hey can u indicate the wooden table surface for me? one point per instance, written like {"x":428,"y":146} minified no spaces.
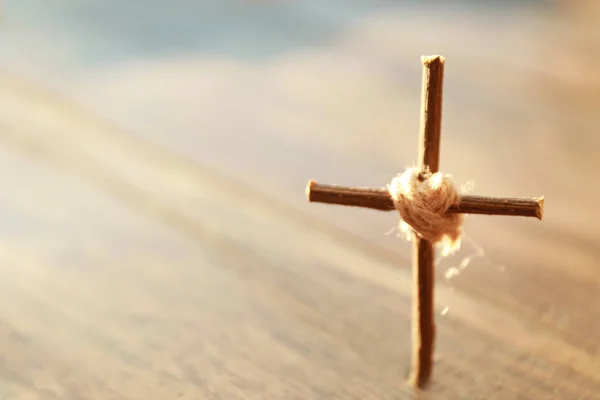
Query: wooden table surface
{"x":156,"y":242}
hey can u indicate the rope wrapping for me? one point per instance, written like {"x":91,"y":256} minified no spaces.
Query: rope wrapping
{"x":422,"y":199}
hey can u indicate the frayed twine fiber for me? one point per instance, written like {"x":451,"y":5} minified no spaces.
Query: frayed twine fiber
{"x":422,"y":198}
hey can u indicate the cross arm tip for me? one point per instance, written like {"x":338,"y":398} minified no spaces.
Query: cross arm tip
{"x":309,"y":186}
{"x":540,"y":210}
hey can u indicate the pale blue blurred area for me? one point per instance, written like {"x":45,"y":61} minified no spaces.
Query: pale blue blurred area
{"x":104,"y":32}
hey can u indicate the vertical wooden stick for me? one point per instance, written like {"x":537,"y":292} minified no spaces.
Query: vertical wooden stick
{"x":424,"y":253}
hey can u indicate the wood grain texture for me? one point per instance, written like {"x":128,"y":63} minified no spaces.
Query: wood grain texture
{"x":155,"y":242}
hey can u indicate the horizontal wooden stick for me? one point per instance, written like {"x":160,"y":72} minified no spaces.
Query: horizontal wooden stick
{"x":380,"y":199}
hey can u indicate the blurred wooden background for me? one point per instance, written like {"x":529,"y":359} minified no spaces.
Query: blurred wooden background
{"x":156,"y":242}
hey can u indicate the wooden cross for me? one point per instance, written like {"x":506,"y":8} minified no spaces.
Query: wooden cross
{"x":423,"y":261}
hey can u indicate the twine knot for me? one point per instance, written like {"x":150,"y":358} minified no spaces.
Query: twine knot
{"x":423,"y":199}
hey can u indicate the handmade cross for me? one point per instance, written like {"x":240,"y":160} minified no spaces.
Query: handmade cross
{"x":431,"y":208}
